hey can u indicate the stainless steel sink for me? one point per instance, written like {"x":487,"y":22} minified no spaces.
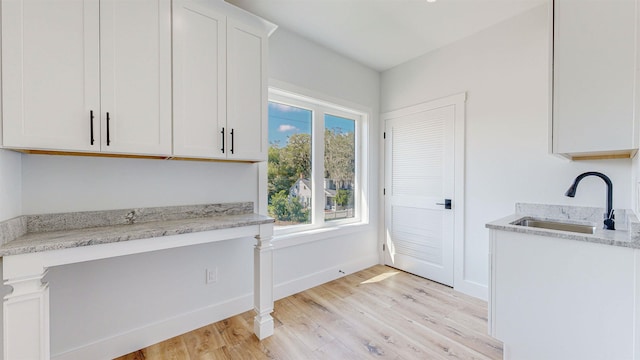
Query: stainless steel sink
{"x":555,"y":225}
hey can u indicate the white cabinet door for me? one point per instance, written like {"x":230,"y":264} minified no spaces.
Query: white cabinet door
{"x":576,"y":301}
{"x":594,"y":76}
{"x":199,"y":81}
{"x":246,"y":92}
{"x":50,"y":74}
{"x":135,"y":43}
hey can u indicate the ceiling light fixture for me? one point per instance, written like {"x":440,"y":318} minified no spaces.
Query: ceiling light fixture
{"x":431,"y":1}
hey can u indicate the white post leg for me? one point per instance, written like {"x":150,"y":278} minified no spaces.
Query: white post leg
{"x":263,"y":283}
{"x":25,"y":311}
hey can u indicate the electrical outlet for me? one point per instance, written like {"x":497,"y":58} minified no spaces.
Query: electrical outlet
{"x":211,"y":275}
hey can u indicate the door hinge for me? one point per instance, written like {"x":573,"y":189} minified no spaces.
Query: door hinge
{"x":384,"y":247}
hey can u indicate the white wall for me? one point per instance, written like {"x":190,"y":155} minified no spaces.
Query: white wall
{"x":298,"y":61}
{"x":10,"y":185}
{"x":69,"y":183}
{"x":505,"y":72}
{"x":126,"y":301}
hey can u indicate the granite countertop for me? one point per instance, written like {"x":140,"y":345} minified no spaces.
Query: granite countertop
{"x":627,"y":225}
{"x":37,"y":233}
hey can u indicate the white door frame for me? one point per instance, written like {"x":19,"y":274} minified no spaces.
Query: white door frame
{"x":458,"y":102}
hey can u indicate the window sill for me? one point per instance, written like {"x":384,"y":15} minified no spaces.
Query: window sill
{"x":308,"y":236}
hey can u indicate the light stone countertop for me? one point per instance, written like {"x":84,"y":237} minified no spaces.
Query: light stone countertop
{"x":27,"y":234}
{"x":628,"y":234}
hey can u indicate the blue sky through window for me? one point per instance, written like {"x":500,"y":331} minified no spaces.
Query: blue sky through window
{"x":286,"y":120}
{"x":340,"y":124}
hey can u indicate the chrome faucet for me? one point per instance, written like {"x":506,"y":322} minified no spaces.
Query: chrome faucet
{"x":609,"y":222}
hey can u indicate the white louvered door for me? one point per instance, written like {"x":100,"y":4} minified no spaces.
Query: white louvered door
{"x":419,"y":175}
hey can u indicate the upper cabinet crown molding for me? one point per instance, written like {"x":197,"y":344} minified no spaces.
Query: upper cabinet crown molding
{"x":595,"y":74}
{"x":87,"y":75}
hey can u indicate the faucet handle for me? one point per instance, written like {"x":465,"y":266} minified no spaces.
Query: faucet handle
{"x":609,"y":224}
{"x":610,"y":215}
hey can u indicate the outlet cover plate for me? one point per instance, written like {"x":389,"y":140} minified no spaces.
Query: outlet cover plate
{"x":211,"y":275}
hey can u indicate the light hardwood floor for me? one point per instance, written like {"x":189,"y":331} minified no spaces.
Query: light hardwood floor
{"x":379,"y":312}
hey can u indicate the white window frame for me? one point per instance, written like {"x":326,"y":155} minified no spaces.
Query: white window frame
{"x":319,"y":108}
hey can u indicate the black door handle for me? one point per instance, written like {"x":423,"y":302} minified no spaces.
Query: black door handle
{"x":231,"y":141}
{"x":446,"y":203}
{"x":91,"y":116}
{"x":108,"y":135}
{"x":222,"y":132}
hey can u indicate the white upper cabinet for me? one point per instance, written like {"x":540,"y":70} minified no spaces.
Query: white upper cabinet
{"x":594,"y":78}
{"x":199,"y":80}
{"x":247,"y":91}
{"x":67,"y":64}
{"x":135,"y":44}
{"x":51,"y":74}
{"x":220,"y":84}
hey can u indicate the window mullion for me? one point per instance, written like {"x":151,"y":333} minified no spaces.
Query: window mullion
{"x":317,"y":166}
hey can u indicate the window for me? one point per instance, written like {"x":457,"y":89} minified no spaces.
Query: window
{"x":339,"y":166}
{"x":313,"y":166}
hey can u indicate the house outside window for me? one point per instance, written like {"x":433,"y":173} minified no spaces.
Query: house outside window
{"x":313,"y":167}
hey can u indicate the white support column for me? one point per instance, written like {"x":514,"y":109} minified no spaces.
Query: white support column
{"x":263,"y":283}
{"x":25,"y":309}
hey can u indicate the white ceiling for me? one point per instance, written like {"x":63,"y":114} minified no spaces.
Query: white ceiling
{"x":384,"y":33}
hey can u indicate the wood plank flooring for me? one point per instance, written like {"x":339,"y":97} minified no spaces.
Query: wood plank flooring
{"x":379,"y":312}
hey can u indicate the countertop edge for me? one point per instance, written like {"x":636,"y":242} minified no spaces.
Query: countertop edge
{"x":66,"y":239}
{"x":606,"y":237}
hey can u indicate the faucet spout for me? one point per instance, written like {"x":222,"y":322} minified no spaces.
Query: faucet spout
{"x":609,"y":222}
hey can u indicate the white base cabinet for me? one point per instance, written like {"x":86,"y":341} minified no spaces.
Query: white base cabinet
{"x":554,"y":298}
{"x":87,"y":75}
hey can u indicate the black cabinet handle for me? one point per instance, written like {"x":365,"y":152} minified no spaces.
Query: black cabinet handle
{"x":222,"y":132}
{"x":108,"y":135}
{"x":92,"y":139}
{"x":231,"y":141}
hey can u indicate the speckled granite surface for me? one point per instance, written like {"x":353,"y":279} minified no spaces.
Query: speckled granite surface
{"x":87,"y":219}
{"x":12,"y":229}
{"x":27,"y":234}
{"x":627,"y":235}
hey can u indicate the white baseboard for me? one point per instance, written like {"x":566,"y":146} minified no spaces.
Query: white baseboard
{"x":147,"y":335}
{"x":472,"y":288}
{"x":302,"y":283}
